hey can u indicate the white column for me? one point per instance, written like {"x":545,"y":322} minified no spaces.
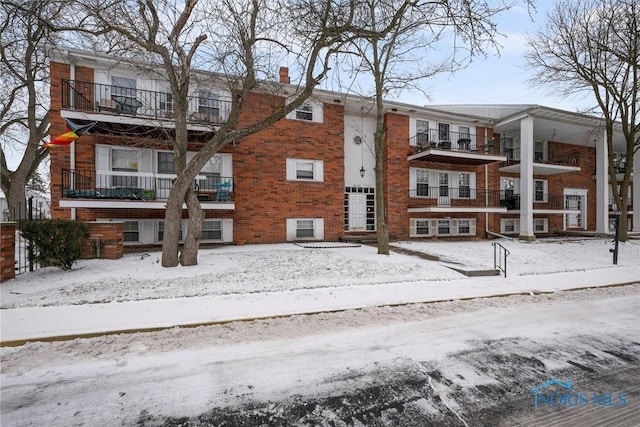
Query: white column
{"x":602,"y":185}
{"x":526,"y":179}
{"x":636,"y":191}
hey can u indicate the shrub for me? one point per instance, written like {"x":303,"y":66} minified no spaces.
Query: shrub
{"x":57,"y":242}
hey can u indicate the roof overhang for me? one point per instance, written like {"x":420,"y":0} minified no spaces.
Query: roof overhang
{"x":456,"y":157}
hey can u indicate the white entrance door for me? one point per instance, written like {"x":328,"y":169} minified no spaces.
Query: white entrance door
{"x":574,"y":220}
{"x":357,"y":212}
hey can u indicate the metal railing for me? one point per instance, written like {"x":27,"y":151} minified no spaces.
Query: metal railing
{"x":109,"y":99}
{"x":458,"y":141}
{"x":570,"y":159}
{"x":25,"y":250}
{"x":500,"y":254}
{"x":451,"y":196}
{"x":127,"y":185}
{"x":511,"y":200}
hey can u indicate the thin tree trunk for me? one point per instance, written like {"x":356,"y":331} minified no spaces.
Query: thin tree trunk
{"x":189,"y":254}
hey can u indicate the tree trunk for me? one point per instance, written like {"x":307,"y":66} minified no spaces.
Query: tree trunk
{"x":382,"y":226}
{"x":16,"y":200}
{"x":172,"y":223}
{"x":189,"y":255}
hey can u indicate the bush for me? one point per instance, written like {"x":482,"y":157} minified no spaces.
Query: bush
{"x":57,"y":242}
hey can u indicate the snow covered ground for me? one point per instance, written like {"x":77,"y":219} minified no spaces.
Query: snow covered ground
{"x":278,"y":366}
{"x":284,"y":267}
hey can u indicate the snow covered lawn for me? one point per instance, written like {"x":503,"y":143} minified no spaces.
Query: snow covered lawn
{"x":282,"y":267}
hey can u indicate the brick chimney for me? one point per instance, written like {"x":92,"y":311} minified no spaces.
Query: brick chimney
{"x":284,"y":75}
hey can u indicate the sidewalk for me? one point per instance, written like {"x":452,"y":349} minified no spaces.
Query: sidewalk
{"x":50,"y":323}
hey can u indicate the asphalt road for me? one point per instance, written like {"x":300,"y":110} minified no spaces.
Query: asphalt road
{"x":464,"y":363}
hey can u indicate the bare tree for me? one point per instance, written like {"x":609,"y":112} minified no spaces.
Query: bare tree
{"x":25,"y":31}
{"x":394,"y":39}
{"x":594,"y":46}
{"x":237,"y":39}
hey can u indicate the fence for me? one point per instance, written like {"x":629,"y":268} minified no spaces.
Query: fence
{"x":24,"y":250}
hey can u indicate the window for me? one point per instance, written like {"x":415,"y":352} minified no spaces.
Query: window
{"x":443,"y":132}
{"x":444,"y":184}
{"x":464,"y":226}
{"x":464,"y":185}
{"x":165,"y":162}
{"x":305,"y":170}
{"x":422,"y":227}
{"x":212,"y":230}
{"x":510,"y":148}
{"x":444,"y":226}
{"x":208,"y":105}
{"x":131,"y":233}
{"x":123,"y":86}
{"x":304,"y":229}
{"x":538,"y":151}
{"x":463,"y":132}
{"x":540,"y":225}
{"x":538,"y":188}
{"x":509,"y":225}
{"x":124,"y":161}
{"x":165,"y":103}
{"x":422,"y":132}
{"x":305,"y":112}
{"x":422,"y":182}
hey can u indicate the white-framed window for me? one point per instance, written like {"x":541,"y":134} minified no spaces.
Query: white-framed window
{"x":305,"y":170}
{"x":305,"y":229}
{"x":212,"y":229}
{"x":464,"y":132}
{"x":422,"y":182}
{"x":464,"y":185}
{"x":422,"y":132}
{"x":422,"y":227}
{"x":127,"y":161}
{"x":309,"y":111}
{"x":540,"y":151}
{"x":540,"y":225}
{"x":305,"y":112}
{"x":510,"y":146}
{"x":540,"y":190}
{"x":509,"y":225}
{"x":123,"y":86}
{"x":131,"y":231}
{"x":443,"y":131}
{"x":208,"y":105}
{"x":164,"y":162}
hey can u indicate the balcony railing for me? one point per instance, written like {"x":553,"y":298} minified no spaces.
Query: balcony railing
{"x":109,"y":99}
{"x":434,"y":138}
{"x":127,"y":185}
{"x":424,"y":196}
{"x":570,"y":159}
{"x":540,"y":201}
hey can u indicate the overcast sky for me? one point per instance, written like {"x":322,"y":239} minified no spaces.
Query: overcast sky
{"x":499,"y":78}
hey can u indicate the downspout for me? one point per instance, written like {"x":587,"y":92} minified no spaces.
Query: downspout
{"x":72,"y":147}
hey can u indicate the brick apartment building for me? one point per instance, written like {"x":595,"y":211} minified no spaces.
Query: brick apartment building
{"x":455,"y":171}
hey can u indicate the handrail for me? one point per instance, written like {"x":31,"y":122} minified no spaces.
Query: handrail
{"x":498,"y":264}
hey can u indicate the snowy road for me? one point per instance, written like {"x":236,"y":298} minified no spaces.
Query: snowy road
{"x":454,"y":363}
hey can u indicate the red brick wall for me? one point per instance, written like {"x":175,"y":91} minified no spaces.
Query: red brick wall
{"x":7,"y":251}
{"x":265,"y":199}
{"x":396,"y":174}
{"x":105,"y":241}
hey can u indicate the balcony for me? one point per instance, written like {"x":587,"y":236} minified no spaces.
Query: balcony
{"x":116,"y":101}
{"x":90,"y":188}
{"x":552,"y":164}
{"x":443,"y":198}
{"x":454,"y":147}
{"x":541,"y":202}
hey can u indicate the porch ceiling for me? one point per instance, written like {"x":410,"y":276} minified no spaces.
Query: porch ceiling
{"x":456,"y":157}
{"x":542,"y":169}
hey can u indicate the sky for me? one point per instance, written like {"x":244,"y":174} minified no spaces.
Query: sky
{"x":499,"y":78}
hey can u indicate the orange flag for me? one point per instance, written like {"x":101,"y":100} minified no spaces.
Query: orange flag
{"x":75,"y":132}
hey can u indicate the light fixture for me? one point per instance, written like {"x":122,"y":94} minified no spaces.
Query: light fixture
{"x":357,"y":140}
{"x":594,"y":176}
{"x":362,"y":171}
